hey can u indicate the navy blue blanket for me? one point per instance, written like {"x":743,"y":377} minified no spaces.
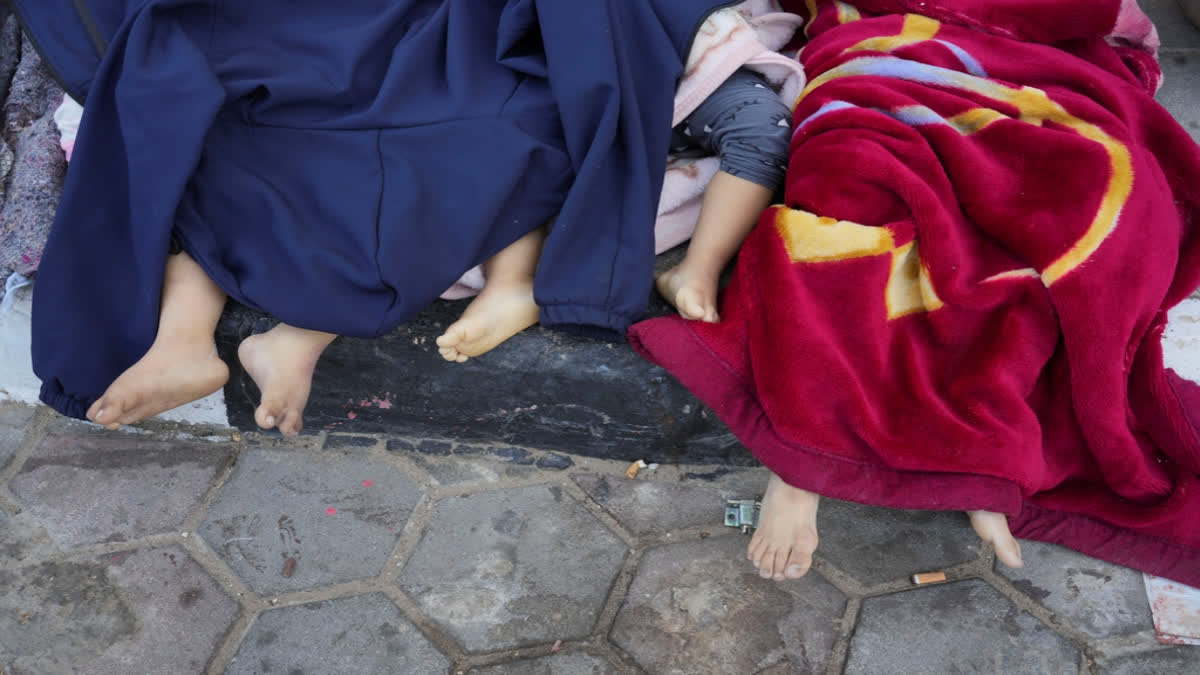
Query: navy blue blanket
{"x":338,"y":165}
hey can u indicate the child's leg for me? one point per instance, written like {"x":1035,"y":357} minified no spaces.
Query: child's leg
{"x":504,"y":307}
{"x":746,"y":124}
{"x":782,"y":547}
{"x":281,"y":363}
{"x":730,"y":209}
{"x":182,"y":365}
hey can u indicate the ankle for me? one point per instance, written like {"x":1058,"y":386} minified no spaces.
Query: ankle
{"x":509,"y":281}
{"x":699,"y":267}
{"x":190,"y":341}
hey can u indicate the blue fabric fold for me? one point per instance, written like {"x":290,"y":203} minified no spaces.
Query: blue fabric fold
{"x":339,"y":165}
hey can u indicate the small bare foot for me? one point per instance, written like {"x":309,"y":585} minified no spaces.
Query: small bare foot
{"x":281,"y":363}
{"x":173,"y":372}
{"x":782,"y":547}
{"x":502,"y":309}
{"x":692,"y":294}
{"x":993,"y":529}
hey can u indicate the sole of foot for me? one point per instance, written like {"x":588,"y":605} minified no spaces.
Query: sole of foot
{"x":171,"y":374}
{"x":693,"y":295}
{"x":499,"y":312}
{"x":281,"y":363}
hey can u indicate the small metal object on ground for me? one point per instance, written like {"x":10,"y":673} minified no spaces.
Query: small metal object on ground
{"x":742,"y":513}
{"x":928,"y":578}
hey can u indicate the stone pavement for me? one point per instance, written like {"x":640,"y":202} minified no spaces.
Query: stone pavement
{"x":172,"y":550}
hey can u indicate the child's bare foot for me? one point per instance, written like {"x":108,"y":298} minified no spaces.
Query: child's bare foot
{"x":782,"y":547}
{"x":502,"y":309}
{"x":993,"y":529}
{"x":174,"y":372}
{"x":692,"y":293}
{"x":281,"y":363}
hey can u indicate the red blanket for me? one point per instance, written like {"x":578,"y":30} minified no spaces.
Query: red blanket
{"x":961,"y":304}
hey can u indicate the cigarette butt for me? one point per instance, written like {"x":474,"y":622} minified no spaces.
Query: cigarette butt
{"x":633,"y":469}
{"x":928,"y":578}
{"x":289,"y":567}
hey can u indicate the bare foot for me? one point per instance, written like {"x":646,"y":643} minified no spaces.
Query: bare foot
{"x":281,"y":363}
{"x":502,"y":309}
{"x":782,"y":547}
{"x":693,"y":294}
{"x":993,"y":529}
{"x":174,"y":372}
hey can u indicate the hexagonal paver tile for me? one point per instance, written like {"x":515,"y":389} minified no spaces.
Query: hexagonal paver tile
{"x":1099,"y":598}
{"x":363,"y":634}
{"x":13,"y":420}
{"x":514,"y":567}
{"x":876,"y":545}
{"x":575,"y":663}
{"x":647,"y":507}
{"x":149,"y":611}
{"x":337,"y":516}
{"x":93,"y":488}
{"x":1158,"y":662}
{"x":700,"y":607}
{"x":963,"y":627}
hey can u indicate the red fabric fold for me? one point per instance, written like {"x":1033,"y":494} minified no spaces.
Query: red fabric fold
{"x":960,"y":305}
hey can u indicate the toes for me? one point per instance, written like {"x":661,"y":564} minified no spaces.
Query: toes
{"x":691,"y":308}
{"x":781,"y":558}
{"x":453,"y":336}
{"x":264,"y":417}
{"x":291,"y":424}
{"x":111,"y":412}
{"x":992,"y":528}
{"x":797,"y":565}
{"x":689,"y":304}
{"x":764,"y":564}
{"x":752,"y":550}
{"x":1009,"y":552}
{"x":96,"y":410}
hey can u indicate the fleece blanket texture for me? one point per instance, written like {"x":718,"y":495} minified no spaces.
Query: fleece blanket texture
{"x":960,"y":305}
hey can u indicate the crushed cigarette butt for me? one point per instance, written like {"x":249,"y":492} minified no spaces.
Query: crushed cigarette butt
{"x":633,"y":469}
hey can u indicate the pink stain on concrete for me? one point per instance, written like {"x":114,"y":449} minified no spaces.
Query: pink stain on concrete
{"x":368,"y":483}
{"x":331,"y":511}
